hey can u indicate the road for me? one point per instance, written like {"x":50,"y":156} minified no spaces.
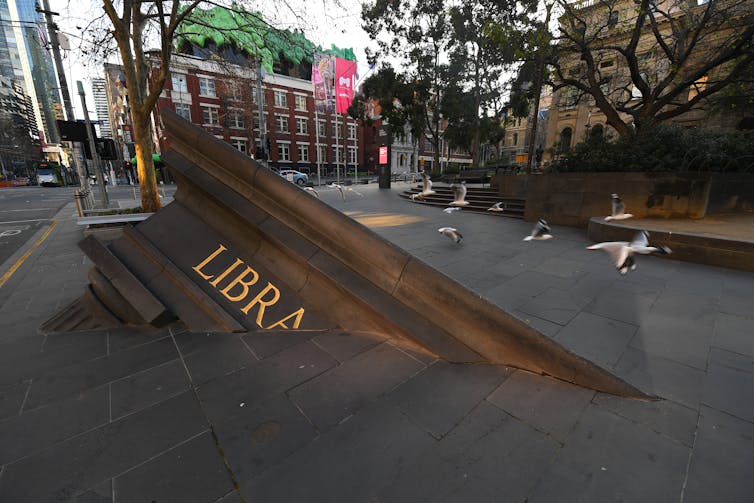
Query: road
{"x":25,"y":210}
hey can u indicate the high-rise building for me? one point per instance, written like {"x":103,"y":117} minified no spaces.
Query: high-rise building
{"x":99,"y":91}
{"x":25,"y":59}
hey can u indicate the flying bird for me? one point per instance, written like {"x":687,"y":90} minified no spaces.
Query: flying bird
{"x":497,"y":207}
{"x":619,"y":209}
{"x":343,"y":190}
{"x":426,"y":188}
{"x":451,"y":210}
{"x":540,"y":232}
{"x":459,"y":192}
{"x":622,"y":253}
{"x":451,"y":234}
{"x":311,"y":191}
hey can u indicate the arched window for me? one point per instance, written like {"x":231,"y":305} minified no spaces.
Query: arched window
{"x":515,"y":139}
{"x":565,"y":139}
{"x":597,"y":132}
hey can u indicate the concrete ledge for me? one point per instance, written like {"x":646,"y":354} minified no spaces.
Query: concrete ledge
{"x":701,"y":249}
{"x":113,"y":219}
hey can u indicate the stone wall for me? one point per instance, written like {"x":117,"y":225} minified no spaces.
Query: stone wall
{"x":731,"y":192}
{"x":573,"y":198}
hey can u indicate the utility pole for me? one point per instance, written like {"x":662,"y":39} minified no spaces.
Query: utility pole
{"x":52,"y":30}
{"x":104,"y":200}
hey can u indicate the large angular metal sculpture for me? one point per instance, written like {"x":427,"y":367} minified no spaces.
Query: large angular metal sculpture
{"x":241,"y":249}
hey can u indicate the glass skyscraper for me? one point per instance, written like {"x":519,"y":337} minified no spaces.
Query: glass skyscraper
{"x":25,"y":58}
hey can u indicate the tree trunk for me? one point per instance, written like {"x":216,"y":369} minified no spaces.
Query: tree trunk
{"x":150,"y":200}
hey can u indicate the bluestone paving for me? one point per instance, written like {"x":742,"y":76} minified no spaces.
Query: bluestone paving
{"x":171,"y":415}
{"x":609,"y":458}
{"x":443,"y":394}
{"x":720,"y":468}
{"x":191,"y":471}
{"x":147,"y":387}
{"x":260,"y":437}
{"x":24,"y":434}
{"x":548,"y":405}
{"x":328,"y":399}
{"x":599,"y":339}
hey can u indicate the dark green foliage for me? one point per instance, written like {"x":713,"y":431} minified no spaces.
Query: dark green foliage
{"x":663,"y":148}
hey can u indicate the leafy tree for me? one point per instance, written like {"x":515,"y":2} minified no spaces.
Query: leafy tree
{"x":645,"y":62}
{"x":416,"y":33}
{"x":473,"y":102}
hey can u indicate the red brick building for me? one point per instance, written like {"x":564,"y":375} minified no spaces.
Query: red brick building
{"x":222,"y":98}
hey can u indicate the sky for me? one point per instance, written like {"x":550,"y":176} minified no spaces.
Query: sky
{"x":322,"y":21}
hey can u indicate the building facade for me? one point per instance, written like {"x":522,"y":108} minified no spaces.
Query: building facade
{"x":223,"y":99}
{"x":101,"y":107}
{"x":25,"y":60}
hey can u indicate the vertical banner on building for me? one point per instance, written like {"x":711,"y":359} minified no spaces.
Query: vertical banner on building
{"x":323,"y":80}
{"x":345,"y":81}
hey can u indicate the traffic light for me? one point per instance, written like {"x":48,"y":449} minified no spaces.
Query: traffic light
{"x":105,"y":149}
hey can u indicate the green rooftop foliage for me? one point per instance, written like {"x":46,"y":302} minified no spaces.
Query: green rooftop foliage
{"x":247,"y":32}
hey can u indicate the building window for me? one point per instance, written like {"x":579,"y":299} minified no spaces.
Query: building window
{"x":254,"y":97}
{"x":352,"y":155}
{"x":515,"y":139}
{"x":179,"y":83}
{"x":235,"y":119}
{"x":352,"y":131}
{"x":321,"y":128}
{"x":321,"y":153}
{"x":239,"y":145}
{"x":303,"y":153}
{"x":565,"y":139}
{"x":210,"y":115}
{"x":374,"y":135}
{"x":207,"y":87}
{"x":338,"y":154}
{"x":184,"y":110}
{"x":234,"y":90}
{"x":284,"y":152}
{"x":301,"y":103}
{"x":612,"y":18}
{"x":280,"y":99}
{"x":302,"y":126}
{"x":281,"y":121}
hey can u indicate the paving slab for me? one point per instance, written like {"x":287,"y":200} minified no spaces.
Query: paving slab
{"x":147,"y":388}
{"x":259,"y":438}
{"x":548,"y":405}
{"x":69,"y":467}
{"x":330,"y":398}
{"x":720,"y":468}
{"x":609,"y":458}
{"x":191,"y":471}
{"x":734,"y":334}
{"x":599,"y":339}
{"x":729,"y":390}
{"x":443,"y":394}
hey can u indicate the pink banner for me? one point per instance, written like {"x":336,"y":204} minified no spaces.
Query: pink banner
{"x":345,"y":80}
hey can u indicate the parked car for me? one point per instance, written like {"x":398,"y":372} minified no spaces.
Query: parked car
{"x":294,"y":176}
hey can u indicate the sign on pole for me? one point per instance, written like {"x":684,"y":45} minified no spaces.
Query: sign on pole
{"x":345,"y":80}
{"x":323,"y":80}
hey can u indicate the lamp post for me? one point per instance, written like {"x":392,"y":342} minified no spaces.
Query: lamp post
{"x":104,"y":200}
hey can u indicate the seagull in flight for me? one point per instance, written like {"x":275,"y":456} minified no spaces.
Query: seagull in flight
{"x":451,"y":210}
{"x":311,"y":191}
{"x":619,"y":209}
{"x":460,"y":195}
{"x":426,"y":188}
{"x":540,"y":232}
{"x":622,"y":253}
{"x":497,"y":207}
{"x":343,"y":190}
{"x":451,"y":234}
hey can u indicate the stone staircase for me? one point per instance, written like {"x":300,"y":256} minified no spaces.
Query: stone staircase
{"x":480,"y":199}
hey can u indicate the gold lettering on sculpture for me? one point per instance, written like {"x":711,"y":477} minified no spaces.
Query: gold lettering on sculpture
{"x":244,"y":285}
{"x":298,"y":314}
{"x":263,"y":304}
{"x":198,"y":268}
{"x":226,"y":272}
{"x":244,"y":281}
